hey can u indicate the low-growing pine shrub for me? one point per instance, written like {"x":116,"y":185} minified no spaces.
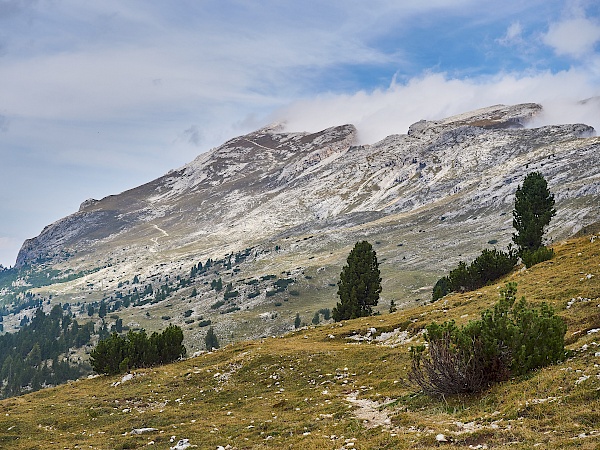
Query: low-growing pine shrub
{"x":487,"y":267}
{"x":509,"y":340}
{"x":533,"y":257}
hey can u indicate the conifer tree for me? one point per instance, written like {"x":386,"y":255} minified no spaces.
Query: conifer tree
{"x":534,"y":207}
{"x":211,"y":340}
{"x":359,"y":285}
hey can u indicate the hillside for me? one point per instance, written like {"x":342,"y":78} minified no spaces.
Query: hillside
{"x":333,"y":386}
{"x":277,"y":212}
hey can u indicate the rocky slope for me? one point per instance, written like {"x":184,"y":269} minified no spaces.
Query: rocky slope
{"x":427,"y":198}
{"x":268,"y":181}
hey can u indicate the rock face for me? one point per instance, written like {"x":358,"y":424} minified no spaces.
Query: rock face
{"x":279,"y":207}
{"x":271,"y":181}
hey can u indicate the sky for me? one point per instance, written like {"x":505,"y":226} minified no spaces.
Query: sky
{"x":99,"y":97}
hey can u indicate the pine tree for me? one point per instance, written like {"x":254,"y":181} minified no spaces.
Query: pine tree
{"x":316,"y":319}
{"x":359,"y":285}
{"x":102,"y":310}
{"x":297,"y":321}
{"x":534,"y":208}
{"x":211,"y":340}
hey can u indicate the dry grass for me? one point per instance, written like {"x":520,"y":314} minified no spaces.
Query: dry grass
{"x":316,"y":389}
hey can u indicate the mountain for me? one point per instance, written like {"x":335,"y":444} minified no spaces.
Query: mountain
{"x":280,"y":211}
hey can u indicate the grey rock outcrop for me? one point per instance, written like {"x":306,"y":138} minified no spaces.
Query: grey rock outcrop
{"x":275,"y":183}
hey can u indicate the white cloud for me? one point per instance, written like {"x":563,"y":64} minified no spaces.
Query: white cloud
{"x":575,"y":37}
{"x":514,"y":34}
{"x":380,"y":113}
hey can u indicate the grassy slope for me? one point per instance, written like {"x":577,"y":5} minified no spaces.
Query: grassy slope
{"x":297,"y":391}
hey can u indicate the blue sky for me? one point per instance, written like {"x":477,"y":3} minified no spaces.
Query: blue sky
{"x":99,"y":97}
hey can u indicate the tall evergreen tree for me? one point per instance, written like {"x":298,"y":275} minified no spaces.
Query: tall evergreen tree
{"x":359,"y":285}
{"x":211,"y":340}
{"x":102,"y":310}
{"x":534,"y":207}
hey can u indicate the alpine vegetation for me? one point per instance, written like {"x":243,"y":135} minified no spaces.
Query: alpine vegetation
{"x":359,"y":284}
{"x":118,"y":354}
{"x":534,"y":207}
{"x":510,"y":339}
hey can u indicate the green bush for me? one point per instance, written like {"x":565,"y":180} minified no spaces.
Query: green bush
{"x":533,"y":257}
{"x":217,"y":304}
{"x":118,"y":354}
{"x":509,"y":340}
{"x":441,"y":288}
{"x":487,"y":267}
{"x":326,"y":313}
{"x":230,"y":294}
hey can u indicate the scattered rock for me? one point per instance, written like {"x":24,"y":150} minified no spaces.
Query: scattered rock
{"x":142,"y":430}
{"x":182,"y":444}
{"x":441,"y":438}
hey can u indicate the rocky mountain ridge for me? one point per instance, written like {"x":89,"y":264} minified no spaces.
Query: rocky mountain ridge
{"x":294,"y":204}
{"x":268,"y":181}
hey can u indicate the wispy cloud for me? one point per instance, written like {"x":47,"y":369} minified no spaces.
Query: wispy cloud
{"x":380,"y":113}
{"x":575,"y":37}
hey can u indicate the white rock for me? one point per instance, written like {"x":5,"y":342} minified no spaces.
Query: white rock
{"x":182,"y":444}
{"x":441,"y":438}
{"x":142,"y":430}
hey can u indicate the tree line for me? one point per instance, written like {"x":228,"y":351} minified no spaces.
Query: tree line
{"x":35,"y":356}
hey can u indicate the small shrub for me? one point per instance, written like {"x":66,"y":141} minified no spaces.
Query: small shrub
{"x":326,"y":313}
{"x":253,"y":294}
{"x":509,"y":340}
{"x":441,"y":288}
{"x":230,"y":294}
{"x":188,"y":313}
{"x":283,"y":283}
{"x":294,"y":293}
{"x":278,"y":303}
{"x":204,"y":323}
{"x":271,"y":293}
{"x":166,"y":317}
{"x":533,"y":257}
{"x":217,"y":304}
